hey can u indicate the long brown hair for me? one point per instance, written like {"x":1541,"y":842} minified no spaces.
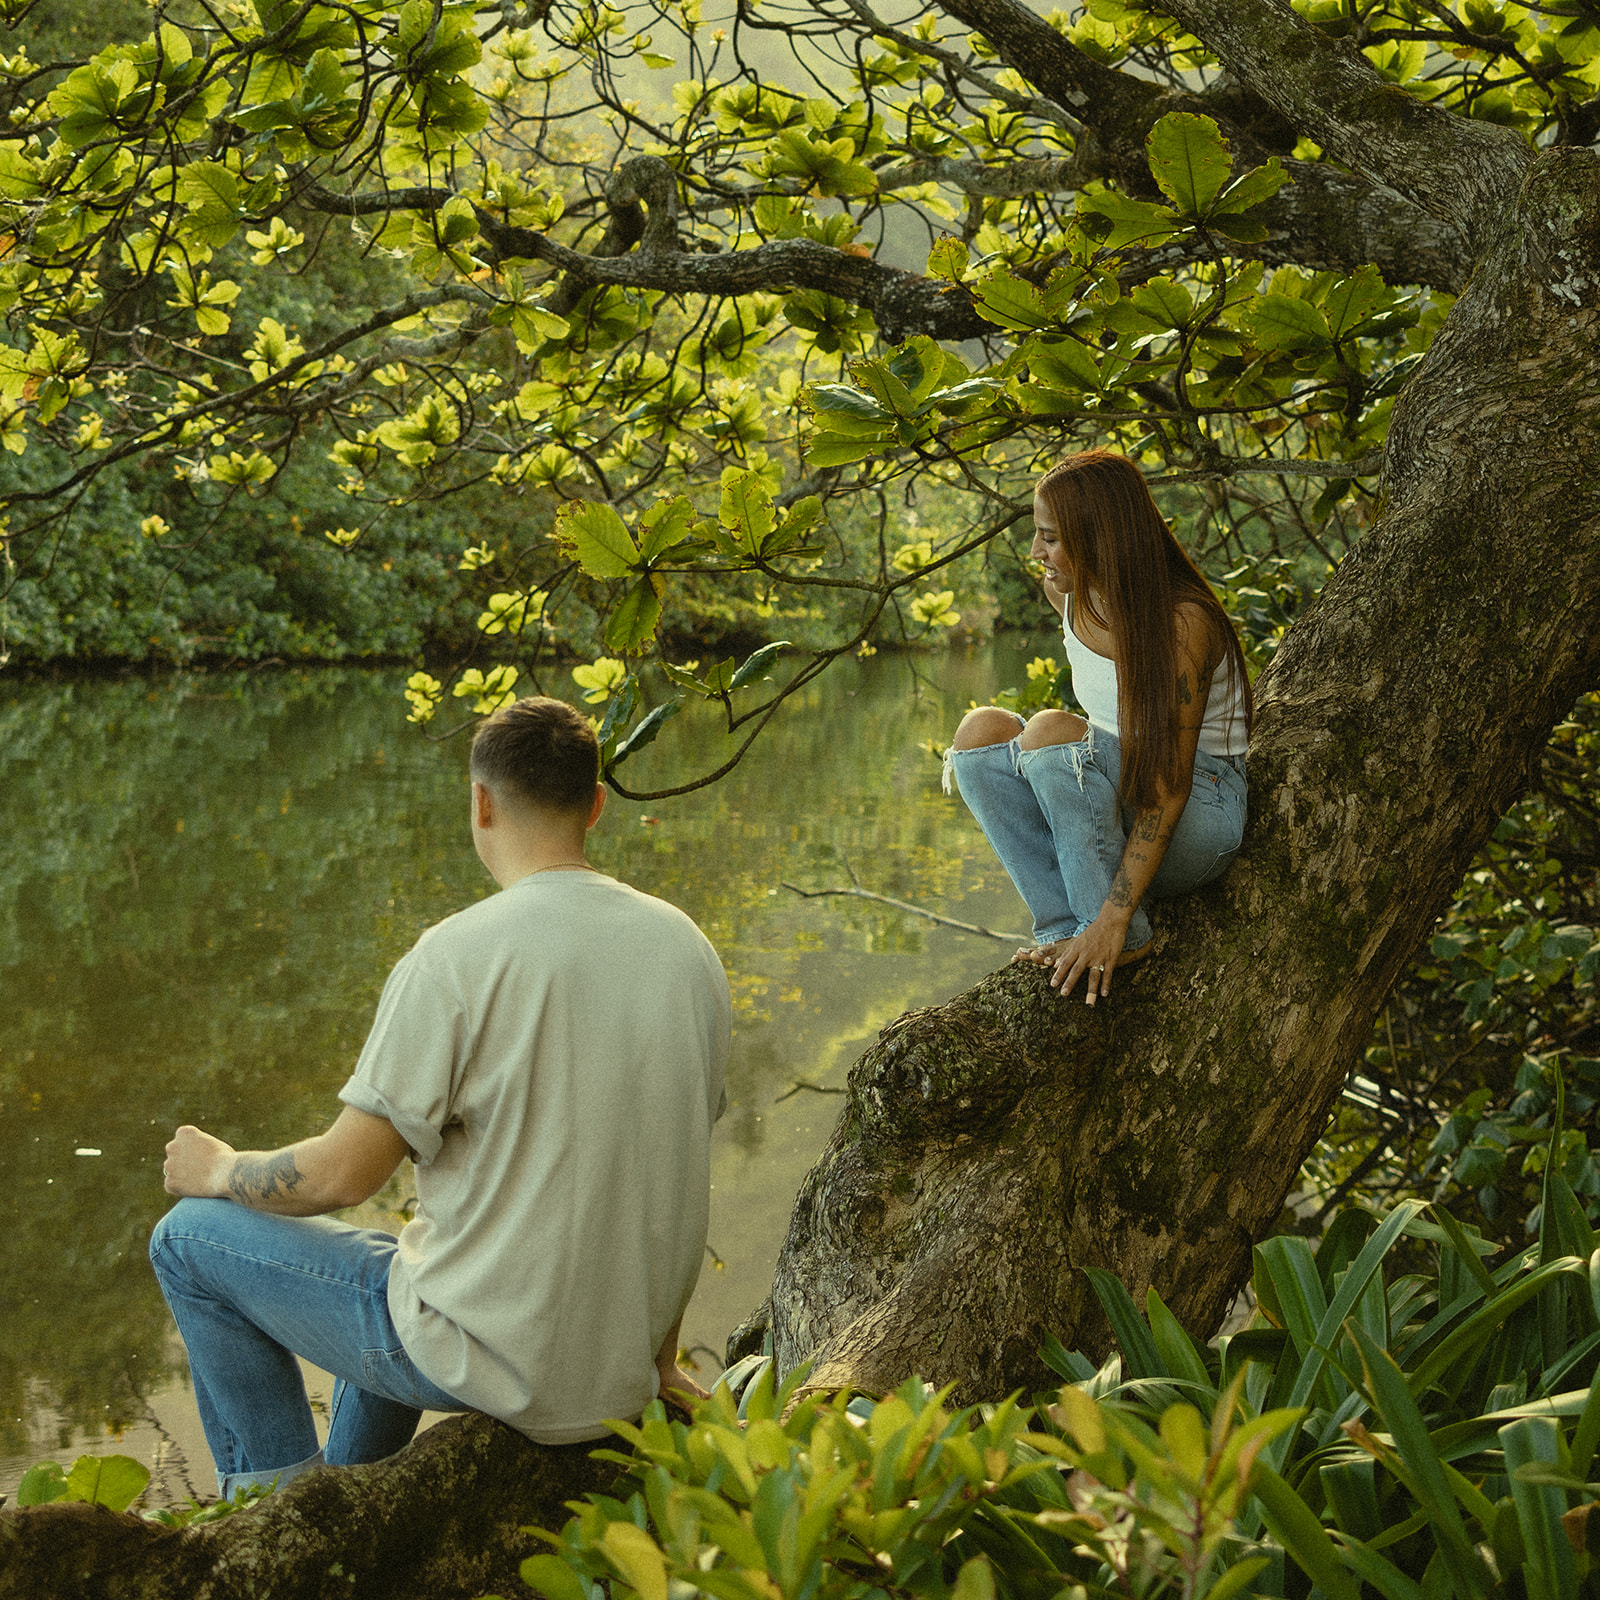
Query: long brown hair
{"x":1117,"y":545}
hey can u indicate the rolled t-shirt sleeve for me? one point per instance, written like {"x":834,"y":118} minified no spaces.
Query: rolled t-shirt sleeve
{"x":410,"y":1065}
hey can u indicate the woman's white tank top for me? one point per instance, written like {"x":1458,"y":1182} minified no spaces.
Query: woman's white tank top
{"x":1094,"y":683}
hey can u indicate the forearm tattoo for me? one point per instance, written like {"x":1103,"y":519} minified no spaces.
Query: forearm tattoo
{"x":258,"y":1178}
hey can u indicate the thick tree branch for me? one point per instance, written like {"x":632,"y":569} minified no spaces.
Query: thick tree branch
{"x":445,"y":1519}
{"x":1035,"y":175}
{"x":904,"y":303}
{"x":1452,"y":167}
{"x":1325,"y":220}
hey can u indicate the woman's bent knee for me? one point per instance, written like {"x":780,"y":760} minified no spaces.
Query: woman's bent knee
{"x":1053,"y":727}
{"x":986,"y":725}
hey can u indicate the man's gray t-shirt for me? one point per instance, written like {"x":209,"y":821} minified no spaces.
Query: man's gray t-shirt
{"x":554,"y":1057}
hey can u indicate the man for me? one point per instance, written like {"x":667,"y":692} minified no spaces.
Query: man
{"x":552,"y":1060}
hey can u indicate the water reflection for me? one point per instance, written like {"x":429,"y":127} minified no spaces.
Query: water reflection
{"x":203,"y":882}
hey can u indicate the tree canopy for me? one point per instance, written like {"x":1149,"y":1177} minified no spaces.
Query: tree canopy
{"x":779,"y":301}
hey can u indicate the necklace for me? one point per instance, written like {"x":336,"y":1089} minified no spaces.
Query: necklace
{"x":581,"y":866}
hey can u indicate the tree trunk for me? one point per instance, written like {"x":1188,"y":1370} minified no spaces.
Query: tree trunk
{"x":992,"y":1147}
{"x":446,"y":1519}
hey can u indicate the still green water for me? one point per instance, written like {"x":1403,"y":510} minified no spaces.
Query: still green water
{"x":204,"y":881}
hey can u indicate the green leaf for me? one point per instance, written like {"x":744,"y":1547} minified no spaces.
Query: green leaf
{"x":1463,"y":1248}
{"x":208,"y":183}
{"x":618,"y":711}
{"x":1357,"y":1276}
{"x":633,"y":623}
{"x":21,"y":177}
{"x":649,"y":726}
{"x":1072,"y":1365}
{"x":1464,"y":1341}
{"x":1004,"y":298}
{"x":638,"y":1558}
{"x":551,"y":1577}
{"x":1429,"y":1483}
{"x":1250,"y":189}
{"x":756,"y":664}
{"x":948,"y":259}
{"x":1139,"y":1353}
{"x":1063,"y":364}
{"x":1285,"y":322}
{"x":547,"y":323}
{"x":271,"y":78}
{"x":1352,"y":299}
{"x":665,"y":524}
{"x":1177,"y":1350}
{"x":1297,"y":1289}
{"x":1128,"y":221}
{"x":1294,"y":1525}
{"x":886,"y":386}
{"x":919,"y":365}
{"x":975,"y":1581}
{"x":1587,"y":1434}
{"x":833,"y":450}
{"x":1351,"y":1490}
{"x":1189,"y":160}
{"x":841,"y":409}
{"x":1381,"y":1573}
{"x":604,"y":547}
{"x":800,"y":518}
{"x":1164,"y":303}
{"x":1238,"y":1574}
{"x":114,"y":1481}
{"x":42,"y":1484}
{"x":746,"y":508}
{"x":961,"y":398}
{"x":1548,"y":1565}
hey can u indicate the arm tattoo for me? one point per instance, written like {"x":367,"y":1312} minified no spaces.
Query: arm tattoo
{"x":257,"y":1178}
{"x":1121,"y":895}
{"x":1184,"y":697}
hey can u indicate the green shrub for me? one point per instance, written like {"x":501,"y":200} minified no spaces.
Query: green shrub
{"x":1409,"y":1427}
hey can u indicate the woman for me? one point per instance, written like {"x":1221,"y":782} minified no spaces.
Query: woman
{"x":1147,"y":798}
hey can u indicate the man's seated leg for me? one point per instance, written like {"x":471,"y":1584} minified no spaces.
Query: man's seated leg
{"x":250,"y":1291}
{"x":373,"y":1418}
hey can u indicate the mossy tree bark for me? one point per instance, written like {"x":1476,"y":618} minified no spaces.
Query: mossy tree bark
{"x":446,"y":1519}
{"x":990,"y":1149}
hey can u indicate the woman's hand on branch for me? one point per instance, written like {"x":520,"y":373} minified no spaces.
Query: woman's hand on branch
{"x":1091,"y":955}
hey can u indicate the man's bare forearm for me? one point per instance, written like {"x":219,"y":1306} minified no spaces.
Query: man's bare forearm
{"x":327,"y":1172}
{"x":267,"y":1182}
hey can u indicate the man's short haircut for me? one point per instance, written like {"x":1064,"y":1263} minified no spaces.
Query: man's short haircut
{"x":540,"y":751}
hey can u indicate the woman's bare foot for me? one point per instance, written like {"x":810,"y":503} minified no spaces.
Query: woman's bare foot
{"x":1041,"y":955}
{"x":1046,"y":955}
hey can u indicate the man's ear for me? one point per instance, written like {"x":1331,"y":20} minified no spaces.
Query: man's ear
{"x":482,"y":805}
{"x":598,"y":806}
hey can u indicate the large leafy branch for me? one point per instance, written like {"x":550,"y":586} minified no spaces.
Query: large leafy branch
{"x":621,"y":302}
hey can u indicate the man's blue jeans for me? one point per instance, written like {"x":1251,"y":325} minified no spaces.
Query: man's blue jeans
{"x":250,"y":1292}
{"x":1053,"y":819}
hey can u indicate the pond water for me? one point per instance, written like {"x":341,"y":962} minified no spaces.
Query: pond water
{"x":205,"y":879}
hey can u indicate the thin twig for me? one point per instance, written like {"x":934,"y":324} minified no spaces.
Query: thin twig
{"x":801,"y":1083}
{"x":858,"y":893}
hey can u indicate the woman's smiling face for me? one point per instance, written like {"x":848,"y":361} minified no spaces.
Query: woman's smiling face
{"x":1046,"y":546}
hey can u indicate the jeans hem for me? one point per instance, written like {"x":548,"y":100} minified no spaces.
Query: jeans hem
{"x":229,"y":1484}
